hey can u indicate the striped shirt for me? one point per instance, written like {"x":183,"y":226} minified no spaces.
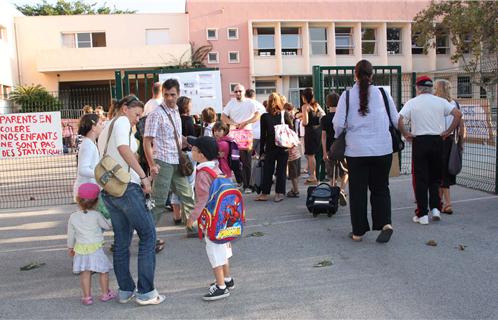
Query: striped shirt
{"x":158,"y":126}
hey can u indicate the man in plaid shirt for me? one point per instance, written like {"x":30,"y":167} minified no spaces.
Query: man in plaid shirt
{"x":162,"y":153}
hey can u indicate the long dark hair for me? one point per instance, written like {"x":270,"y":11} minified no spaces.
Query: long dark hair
{"x":182,"y":104}
{"x":87,"y":121}
{"x":309,"y":97}
{"x":363,"y":72}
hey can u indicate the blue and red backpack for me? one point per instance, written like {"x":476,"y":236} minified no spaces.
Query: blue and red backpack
{"x":223,"y":217}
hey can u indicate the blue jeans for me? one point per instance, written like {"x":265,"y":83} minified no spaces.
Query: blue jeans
{"x":129,"y":213}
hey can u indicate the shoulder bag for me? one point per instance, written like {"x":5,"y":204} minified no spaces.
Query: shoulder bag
{"x":338,"y":147}
{"x":185,"y":166}
{"x":455,"y":158}
{"x":398,"y":143}
{"x":285,"y":137}
{"x":109,"y":174}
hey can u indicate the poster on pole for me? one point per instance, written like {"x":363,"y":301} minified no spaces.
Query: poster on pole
{"x":203,"y":87}
{"x":30,"y":135}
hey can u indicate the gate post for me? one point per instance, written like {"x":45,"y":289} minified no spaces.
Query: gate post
{"x":317,"y":85}
{"x":119,"y":85}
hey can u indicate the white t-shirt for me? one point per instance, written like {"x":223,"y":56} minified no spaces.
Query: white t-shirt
{"x":151,"y":105}
{"x":256,"y":126}
{"x":449,"y":118}
{"x":427,"y":113}
{"x":88,"y":157}
{"x":239,"y":111}
{"x":121,"y":135}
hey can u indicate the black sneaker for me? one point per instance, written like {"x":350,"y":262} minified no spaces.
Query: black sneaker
{"x":215,"y":293}
{"x":230,"y":284}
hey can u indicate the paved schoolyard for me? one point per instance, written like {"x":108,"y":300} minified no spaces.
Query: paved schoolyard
{"x":274,"y":274}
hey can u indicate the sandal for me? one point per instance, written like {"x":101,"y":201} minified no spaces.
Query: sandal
{"x":261,"y":198}
{"x":385,"y":235}
{"x":87,"y":300}
{"x":159,"y":247}
{"x":447,"y":209}
{"x":110,"y":295}
{"x":278,"y":198}
{"x":354,"y":238}
{"x":293,"y":194}
{"x":311,"y":182}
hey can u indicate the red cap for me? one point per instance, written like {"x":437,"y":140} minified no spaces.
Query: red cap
{"x":88,"y":191}
{"x":424,"y":81}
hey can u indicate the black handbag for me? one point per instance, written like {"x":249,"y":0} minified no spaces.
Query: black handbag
{"x":338,"y":147}
{"x":398,"y":143}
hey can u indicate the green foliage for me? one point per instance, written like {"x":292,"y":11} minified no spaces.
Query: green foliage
{"x":473,"y":27}
{"x":64,"y":7}
{"x":191,"y":59}
{"x":34,"y":99}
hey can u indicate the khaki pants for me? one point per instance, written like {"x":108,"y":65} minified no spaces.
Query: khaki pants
{"x":169,"y":178}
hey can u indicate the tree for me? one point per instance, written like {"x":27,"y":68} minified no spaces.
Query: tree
{"x":473,"y":29}
{"x":64,"y":7}
{"x":191,"y":59}
{"x":34,"y":99}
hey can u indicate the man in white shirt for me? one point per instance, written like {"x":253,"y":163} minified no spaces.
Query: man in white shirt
{"x":155,"y":101}
{"x":240,"y":113}
{"x":256,"y":126}
{"x":426,"y":113}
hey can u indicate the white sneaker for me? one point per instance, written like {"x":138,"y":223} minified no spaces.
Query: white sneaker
{"x":436,"y":215}
{"x":156,"y":300}
{"x":421,"y":220}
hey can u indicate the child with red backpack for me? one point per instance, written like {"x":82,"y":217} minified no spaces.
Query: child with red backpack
{"x":228,"y":155}
{"x":219,"y":211}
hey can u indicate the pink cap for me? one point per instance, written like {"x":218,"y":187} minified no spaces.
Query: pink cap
{"x":88,"y":191}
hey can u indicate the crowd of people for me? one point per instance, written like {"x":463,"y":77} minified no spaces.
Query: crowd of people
{"x":152,"y":142}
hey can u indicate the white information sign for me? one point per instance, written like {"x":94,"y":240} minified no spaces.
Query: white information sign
{"x":30,"y":134}
{"x":203,"y":87}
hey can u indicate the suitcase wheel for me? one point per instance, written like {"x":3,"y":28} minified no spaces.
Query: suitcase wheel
{"x":315,"y":214}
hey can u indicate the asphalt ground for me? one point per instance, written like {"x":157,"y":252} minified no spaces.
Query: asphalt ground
{"x":274,"y":274}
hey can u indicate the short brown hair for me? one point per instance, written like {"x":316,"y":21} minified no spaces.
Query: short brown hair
{"x":274,"y":104}
{"x":87,"y":204}
{"x":208,"y":115}
{"x":219,"y":125}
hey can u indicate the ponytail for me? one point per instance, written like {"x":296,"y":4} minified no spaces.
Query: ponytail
{"x":363,"y":71}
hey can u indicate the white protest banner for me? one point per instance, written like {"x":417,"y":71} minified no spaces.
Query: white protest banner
{"x":477,"y":120}
{"x":30,"y":134}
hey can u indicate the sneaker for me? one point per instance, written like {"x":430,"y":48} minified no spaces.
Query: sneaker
{"x":230,"y":284}
{"x":87,"y":301}
{"x":436,"y":215}
{"x":156,"y":300}
{"x":125,"y":298}
{"x":110,"y":295}
{"x":343,"y":198}
{"x":247,"y":190}
{"x":422,"y":220}
{"x":215,"y":293}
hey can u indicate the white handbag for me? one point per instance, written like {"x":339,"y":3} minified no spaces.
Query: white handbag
{"x":284,"y":136}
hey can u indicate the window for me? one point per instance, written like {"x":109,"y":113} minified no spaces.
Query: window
{"x":467,"y":43}
{"x":5,"y":92}
{"x":343,"y":40}
{"x":318,"y":41}
{"x":233,"y":33}
{"x":266,"y":86}
{"x":212,"y":34}
{"x":213,"y":57}
{"x":464,"y":87}
{"x":232,"y":86}
{"x":233,"y":57}
{"x":154,"y":37}
{"x":264,"y":42}
{"x":394,"y":43}
{"x":83,"y":40}
{"x":482,"y":90}
{"x":368,"y":41}
{"x":297,"y":86}
{"x":416,"y":49}
{"x":291,"y":42}
{"x":442,"y":41}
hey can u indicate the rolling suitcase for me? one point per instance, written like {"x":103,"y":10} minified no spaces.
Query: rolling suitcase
{"x":323,"y":198}
{"x":256,"y":176}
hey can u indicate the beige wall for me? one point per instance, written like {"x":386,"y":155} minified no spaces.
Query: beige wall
{"x":44,"y":61}
{"x":8,"y":56}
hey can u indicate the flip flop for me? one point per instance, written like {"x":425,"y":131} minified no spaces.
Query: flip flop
{"x":160,"y":242}
{"x":447,"y":209}
{"x":159,"y":247}
{"x":351,"y":235}
{"x":260,"y":199}
{"x":385,"y":235}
